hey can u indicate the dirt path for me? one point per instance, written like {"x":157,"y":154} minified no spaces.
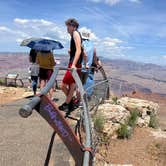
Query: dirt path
{"x":10,"y":94}
{"x":142,"y":149}
{"x":25,"y":141}
{"x":161,"y":100}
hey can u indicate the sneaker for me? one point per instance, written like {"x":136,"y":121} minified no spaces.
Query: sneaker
{"x":76,"y":103}
{"x":55,"y":99}
{"x":80,"y":104}
{"x":71,"y":106}
{"x":64,"y":107}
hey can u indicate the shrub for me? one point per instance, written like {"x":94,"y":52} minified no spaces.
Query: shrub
{"x":124,"y":131}
{"x":115,"y":100}
{"x":153,"y":121}
{"x":158,"y":145}
{"x":99,"y":122}
{"x":2,"y":81}
{"x":133,"y":118}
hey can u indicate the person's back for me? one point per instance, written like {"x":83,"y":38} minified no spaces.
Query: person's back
{"x":73,"y":50}
{"x":45,"y":60}
{"x":68,"y":84}
{"x":32,"y":56}
{"x":89,"y":51}
{"x":34,"y":69}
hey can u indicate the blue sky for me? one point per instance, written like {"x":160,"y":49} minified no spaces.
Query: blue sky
{"x":123,"y":29}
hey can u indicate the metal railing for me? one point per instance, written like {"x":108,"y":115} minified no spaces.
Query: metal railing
{"x":26,"y":110}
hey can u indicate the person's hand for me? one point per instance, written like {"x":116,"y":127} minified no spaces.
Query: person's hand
{"x":69,"y":51}
{"x":73,"y":66}
{"x":99,"y":66}
{"x":87,"y":66}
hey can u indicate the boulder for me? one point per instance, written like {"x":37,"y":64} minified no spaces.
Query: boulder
{"x":143,"y":122}
{"x":114,"y":113}
{"x":144,"y":107}
{"x":114,"y":116}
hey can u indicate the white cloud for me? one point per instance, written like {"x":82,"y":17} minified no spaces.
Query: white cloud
{"x":111,"y":42}
{"x":111,"y":47}
{"x":135,"y":1}
{"x":95,"y":1}
{"x":107,"y":46}
{"x":33,"y":21}
{"x":9,"y":33}
{"x":21,"y":21}
{"x":106,"y":41}
{"x":19,"y":40}
{"x":42,"y":28}
{"x":164,"y":56}
{"x":109,"y":2}
{"x":113,"y":2}
{"x":26,"y":28}
{"x":4,"y":29}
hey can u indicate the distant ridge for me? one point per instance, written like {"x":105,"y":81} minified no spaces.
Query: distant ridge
{"x":124,"y":75}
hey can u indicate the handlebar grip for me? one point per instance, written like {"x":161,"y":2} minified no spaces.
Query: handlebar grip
{"x":26,"y":110}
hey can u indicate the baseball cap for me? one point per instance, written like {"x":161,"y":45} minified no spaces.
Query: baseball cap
{"x":85,"y":34}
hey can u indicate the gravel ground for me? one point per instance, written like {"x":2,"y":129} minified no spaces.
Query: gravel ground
{"x":142,"y":149}
{"x":25,"y":141}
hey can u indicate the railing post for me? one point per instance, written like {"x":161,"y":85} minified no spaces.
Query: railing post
{"x":87,"y":156}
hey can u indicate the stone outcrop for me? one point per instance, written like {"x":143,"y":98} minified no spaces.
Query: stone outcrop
{"x":114,"y":116}
{"x":117,"y":114}
{"x":143,"y":106}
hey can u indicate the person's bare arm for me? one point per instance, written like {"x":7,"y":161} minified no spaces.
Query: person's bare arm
{"x":69,"y":51}
{"x":30,"y":58}
{"x":95,"y":56}
{"x":85,"y":59}
{"x":77,"y":40}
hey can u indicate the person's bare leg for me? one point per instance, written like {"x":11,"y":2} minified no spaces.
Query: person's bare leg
{"x":78,"y":94}
{"x":42,"y":84}
{"x":64,"y":89}
{"x":71,"y":92}
{"x":51,"y":93}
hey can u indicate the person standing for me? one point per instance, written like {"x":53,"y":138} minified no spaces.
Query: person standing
{"x":68,"y":84}
{"x":46,"y":62}
{"x":91,"y":61}
{"x":34,"y":70}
